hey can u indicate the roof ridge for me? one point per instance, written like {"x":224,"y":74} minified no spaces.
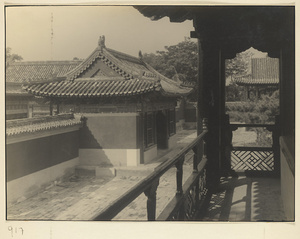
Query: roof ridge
{"x":85,"y":64}
{"x":136,"y":59}
{"x":43,"y":62}
{"x":92,"y":79}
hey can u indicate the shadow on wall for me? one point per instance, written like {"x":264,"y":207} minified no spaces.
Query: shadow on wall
{"x":86,"y":138}
{"x":90,"y":151}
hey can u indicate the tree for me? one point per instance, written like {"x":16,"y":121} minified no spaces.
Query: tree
{"x":10,"y":57}
{"x":238,"y":65}
{"x":178,"y":62}
{"x":234,"y":92}
{"x":262,"y":111}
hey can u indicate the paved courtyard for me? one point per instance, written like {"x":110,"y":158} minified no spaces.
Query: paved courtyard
{"x":82,"y":198}
{"x":246,"y":199}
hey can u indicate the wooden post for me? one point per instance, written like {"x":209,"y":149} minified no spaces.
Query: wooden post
{"x":151,"y":200}
{"x":51,"y":108}
{"x":179,"y":174}
{"x":195,"y":159}
{"x":141,"y":135}
{"x":29,"y":110}
{"x":57,"y":108}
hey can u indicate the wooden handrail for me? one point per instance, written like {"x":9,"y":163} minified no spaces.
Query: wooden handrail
{"x":119,"y":204}
{"x":177,"y":200}
{"x":251,"y":148}
{"x":239,"y":125}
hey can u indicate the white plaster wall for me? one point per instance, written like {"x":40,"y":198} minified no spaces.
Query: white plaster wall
{"x":103,"y":157}
{"x":28,"y":185}
{"x":150,"y":154}
{"x":287,"y":189}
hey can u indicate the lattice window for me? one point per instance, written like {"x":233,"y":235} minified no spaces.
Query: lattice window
{"x":257,"y":160}
{"x":149,"y":134}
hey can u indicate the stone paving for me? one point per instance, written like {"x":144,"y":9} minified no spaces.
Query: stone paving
{"x":82,"y":198}
{"x":246,"y":199}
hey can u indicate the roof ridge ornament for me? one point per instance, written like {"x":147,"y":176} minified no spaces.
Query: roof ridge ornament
{"x":101,"y":42}
{"x":140,"y":55}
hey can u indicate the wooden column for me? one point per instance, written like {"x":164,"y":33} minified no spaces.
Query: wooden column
{"x":29,"y":110}
{"x":141,"y":130}
{"x":57,"y":108}
{"x":51,"y":107}
{"x":210,"y":104}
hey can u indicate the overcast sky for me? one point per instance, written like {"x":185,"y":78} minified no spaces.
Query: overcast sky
{"x":76,"y":31}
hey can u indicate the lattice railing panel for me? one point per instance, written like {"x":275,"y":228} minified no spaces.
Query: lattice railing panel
{"x":255,"y":160}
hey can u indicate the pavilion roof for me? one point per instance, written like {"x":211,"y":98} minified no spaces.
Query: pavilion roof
{"x":264,"y":71}
{"x":123,"y":75}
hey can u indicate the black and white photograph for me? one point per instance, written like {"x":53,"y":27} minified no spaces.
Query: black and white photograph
{"x":135,"y":113}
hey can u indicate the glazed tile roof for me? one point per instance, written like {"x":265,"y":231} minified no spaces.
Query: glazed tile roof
{"x":31,"y":71}
{"x":92,"y":87}
{"x":31,"y":125}
{"x":129,"y":76}
{"x":18,"y":73}
{"x":264,"y":71}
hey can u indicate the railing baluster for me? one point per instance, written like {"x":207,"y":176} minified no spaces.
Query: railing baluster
{"x":195,"y":159}
{"x":149,"y":185}
{"x":179,"y":174}
{"x":151,"y":200}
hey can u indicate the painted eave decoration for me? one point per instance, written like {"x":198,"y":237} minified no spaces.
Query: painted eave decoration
{"x":124,"y":75}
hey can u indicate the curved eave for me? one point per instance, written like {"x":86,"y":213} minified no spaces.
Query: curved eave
{"x":92,"y":89}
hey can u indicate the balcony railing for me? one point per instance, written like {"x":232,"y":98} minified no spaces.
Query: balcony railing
{"x":188,"y":197}
{"x":257,"y":158}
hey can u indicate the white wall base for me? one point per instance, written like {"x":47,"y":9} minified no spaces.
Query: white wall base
{"x":287,"y":189}
{"x":109,"y":157}
{"x":133,"y":157}
{"x":28,"y":185}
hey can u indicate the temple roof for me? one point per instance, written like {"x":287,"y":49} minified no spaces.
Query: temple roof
{"x":264,"y":71}
{"x":30,"y":71}
{"x":107,"y":72}
{"x":18,"y":73}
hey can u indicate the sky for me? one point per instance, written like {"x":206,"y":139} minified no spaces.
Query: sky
{"x":76,"y":30}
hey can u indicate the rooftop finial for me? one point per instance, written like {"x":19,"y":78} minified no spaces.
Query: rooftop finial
{"x":140,"y":55}
{"x":101,"y":41}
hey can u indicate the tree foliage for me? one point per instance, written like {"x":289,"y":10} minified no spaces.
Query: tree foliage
{"x":11,"y":57}
{"x":178,"y":62}
{"x":262,"y":111}
{"x":234,"y":92}
{"x":238,"y":65}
